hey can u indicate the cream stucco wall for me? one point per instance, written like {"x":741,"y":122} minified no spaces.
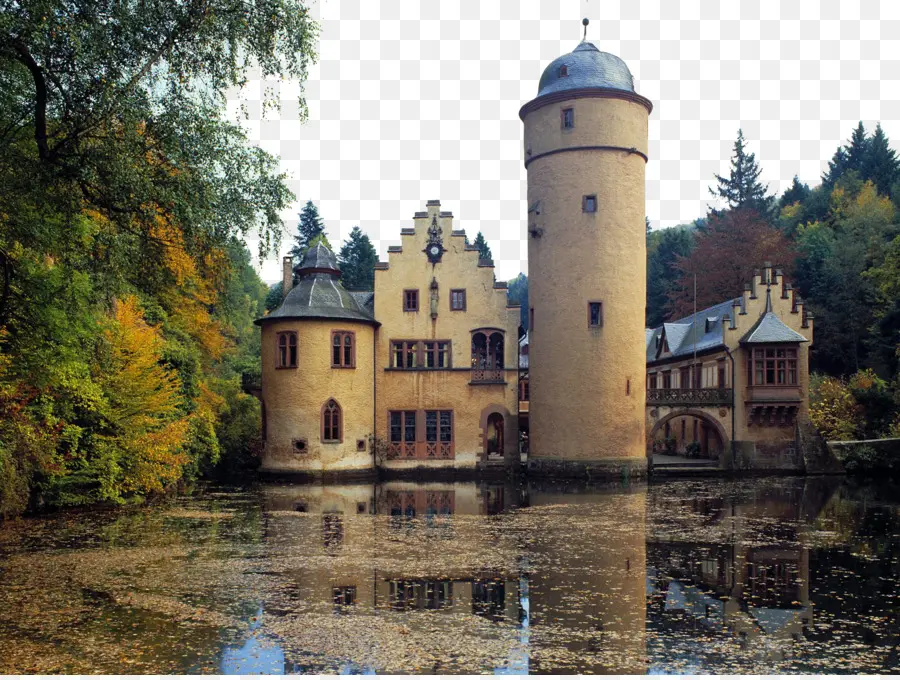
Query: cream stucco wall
{"x":587,"y":384}
{"x":293,"y":398}
{"x":486,"y":308}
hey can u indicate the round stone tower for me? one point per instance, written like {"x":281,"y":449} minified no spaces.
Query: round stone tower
{"x":318,"y":394}
{"x":586,"y":154}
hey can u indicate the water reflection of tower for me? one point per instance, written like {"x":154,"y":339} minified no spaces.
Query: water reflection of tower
{"x":587,"y":581}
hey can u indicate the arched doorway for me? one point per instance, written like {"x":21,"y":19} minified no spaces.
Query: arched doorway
{"x":494,"y":437}
{"x":690,"y":433}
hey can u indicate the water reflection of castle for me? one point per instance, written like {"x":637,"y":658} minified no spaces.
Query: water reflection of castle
{"x":373,"y":564}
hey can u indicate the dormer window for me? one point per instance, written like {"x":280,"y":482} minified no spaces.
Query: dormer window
{"x":563,"y":71}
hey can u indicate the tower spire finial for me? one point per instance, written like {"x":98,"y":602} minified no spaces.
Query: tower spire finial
{"x":585,"y":23}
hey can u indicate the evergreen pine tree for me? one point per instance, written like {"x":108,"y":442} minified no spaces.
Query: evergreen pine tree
{"x":484,"y":250}
{"x":357,"y":261}
{"x":796,"y":193}
{"x":275,"y":296}
{"x":517,"y":293}
{"x":310,"y":226}
{"x":881,"y":164}
{"x":742,"y":188}
{"x":858,"y":150}
{"x":836,"y":167}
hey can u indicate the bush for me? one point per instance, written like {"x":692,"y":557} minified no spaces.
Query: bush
{"x":833,"y":409}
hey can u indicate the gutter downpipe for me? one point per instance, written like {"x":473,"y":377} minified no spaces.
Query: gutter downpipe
{"x":733,"y":391}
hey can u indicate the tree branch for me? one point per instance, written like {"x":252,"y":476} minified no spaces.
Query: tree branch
{"x":40,"y":99}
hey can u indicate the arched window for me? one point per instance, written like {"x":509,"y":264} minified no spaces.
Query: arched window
{"x":495,"y":350}
{"x":479,"y":351}
{"x":332,"y":422}
{"x":487,"y":356}
{"x":286,"y":356}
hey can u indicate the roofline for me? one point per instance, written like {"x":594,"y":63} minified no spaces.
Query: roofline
{"x":686,"y":320}
{"x":687,"y":355}
{"x":584,"y":93}
{"x":318,"y":317}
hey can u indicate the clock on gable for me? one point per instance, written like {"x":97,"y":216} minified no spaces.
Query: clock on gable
{"x":434,"y":249}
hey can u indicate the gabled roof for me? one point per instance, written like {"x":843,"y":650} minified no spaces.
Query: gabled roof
{"x":769,"y":328}
{"x":689,"y":333}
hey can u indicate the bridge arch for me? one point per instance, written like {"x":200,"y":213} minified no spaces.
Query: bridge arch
{"x":711,"y":435}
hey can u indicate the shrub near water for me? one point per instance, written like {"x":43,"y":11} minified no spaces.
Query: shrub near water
{"x":833,"y":408}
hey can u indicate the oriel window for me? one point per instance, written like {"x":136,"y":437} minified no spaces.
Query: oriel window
{"x":286,"y":356}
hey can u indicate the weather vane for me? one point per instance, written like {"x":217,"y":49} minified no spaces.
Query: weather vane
{"x":585,"y":23}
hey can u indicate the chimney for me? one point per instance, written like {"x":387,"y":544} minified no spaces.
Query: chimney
{"x":767,"y":272}
{"x":756,"y":275}
{"x":735,"y":310}
{"x":287,"y":274}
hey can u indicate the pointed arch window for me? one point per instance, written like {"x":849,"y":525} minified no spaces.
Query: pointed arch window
{"x":332,"y":423}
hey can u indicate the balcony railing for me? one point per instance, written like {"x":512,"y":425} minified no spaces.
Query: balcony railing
{"x":702,"y":396}
{"x":488,"y":375}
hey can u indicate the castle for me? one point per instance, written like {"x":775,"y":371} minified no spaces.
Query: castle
{"x":424,"y":372}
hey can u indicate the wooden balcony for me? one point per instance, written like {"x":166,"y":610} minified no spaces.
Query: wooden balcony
{"x":701,"y":396}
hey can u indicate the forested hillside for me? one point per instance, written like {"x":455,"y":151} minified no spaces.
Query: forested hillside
{"x":126,"y":293}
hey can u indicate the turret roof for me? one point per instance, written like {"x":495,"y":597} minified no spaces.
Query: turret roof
{"x":319,"y":293}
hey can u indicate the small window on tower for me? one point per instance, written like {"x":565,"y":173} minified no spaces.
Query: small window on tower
{"x":595,"y":314}
{"x":589,"y":203}
{"x":568,"y":119}
{"x":563,"y":71}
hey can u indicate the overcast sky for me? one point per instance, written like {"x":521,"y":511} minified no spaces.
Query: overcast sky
{"x":413,"y":101}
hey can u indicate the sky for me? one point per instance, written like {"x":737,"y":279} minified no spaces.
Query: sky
{"x":413,"y":101}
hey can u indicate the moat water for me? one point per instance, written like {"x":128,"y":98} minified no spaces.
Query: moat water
{"x":768,"y":576}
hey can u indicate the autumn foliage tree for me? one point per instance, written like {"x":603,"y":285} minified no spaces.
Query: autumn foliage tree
{"x":726,"y":252}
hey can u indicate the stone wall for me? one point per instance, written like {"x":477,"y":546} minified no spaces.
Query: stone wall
{"x":873,"y":456}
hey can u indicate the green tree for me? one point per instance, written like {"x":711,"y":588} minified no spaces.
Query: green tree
{"x":858,"y":149}
{"x":881,"y":165}
{"x":517,"y":294}
{"x":742,"y":188}
{"x":357,"y":261}
{"x":274,"y":297}
{"x":836,"y":167}
{"x":834,"y":254}
{"x":124,"y":195}
{"x":309,"y":226}
{"x":665,"y":247}
{"x":484,"y":250}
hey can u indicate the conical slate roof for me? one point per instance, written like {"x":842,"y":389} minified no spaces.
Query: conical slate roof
{"x":319,"y":293}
